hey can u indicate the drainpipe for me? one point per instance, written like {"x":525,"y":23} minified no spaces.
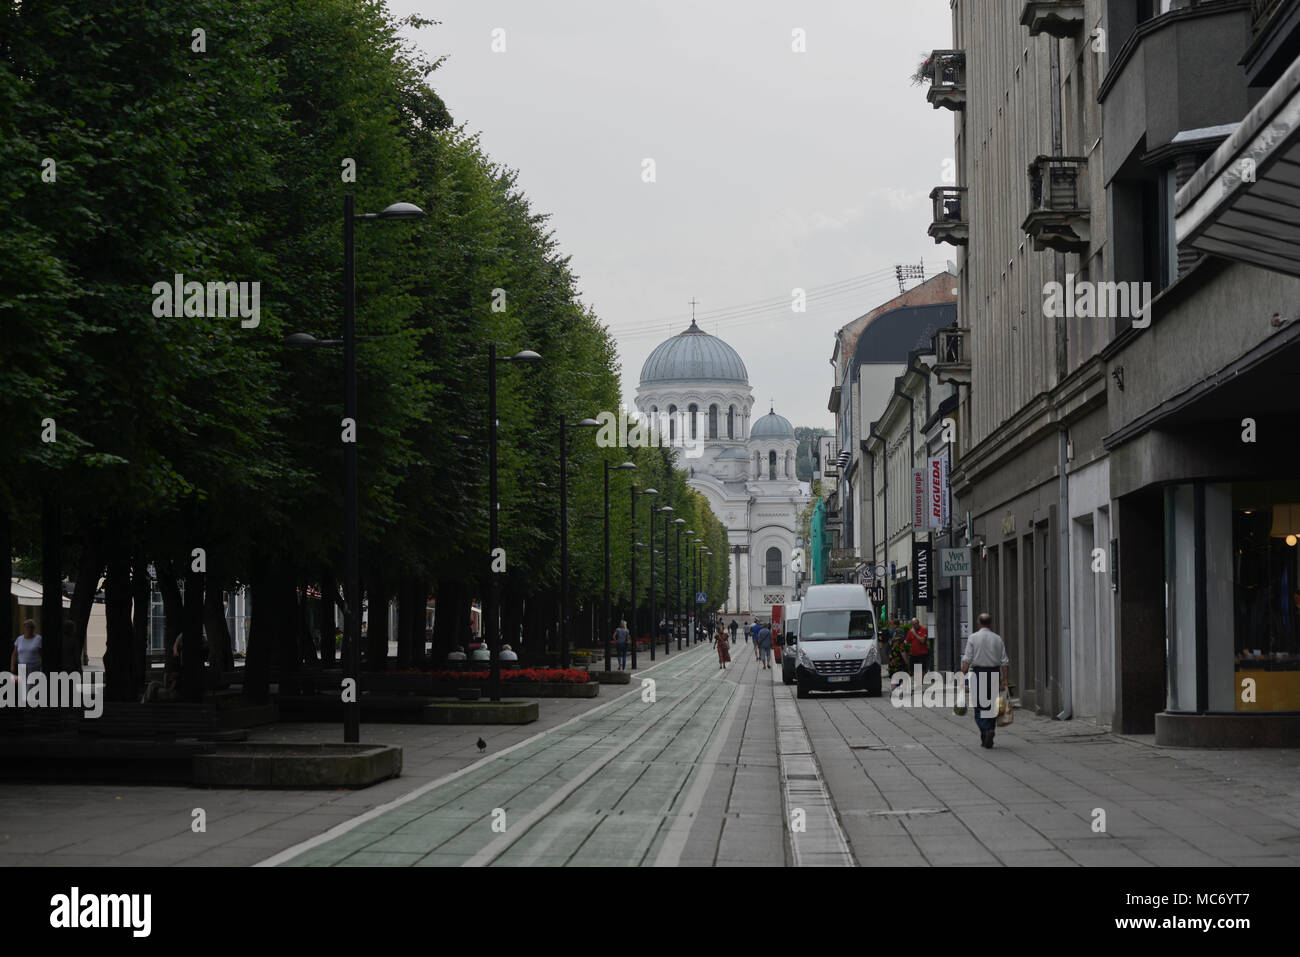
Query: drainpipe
{"x":1063,"y":479}
{"x":884,"y":489}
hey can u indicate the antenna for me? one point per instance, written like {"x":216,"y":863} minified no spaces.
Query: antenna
{"x":903,"y":272}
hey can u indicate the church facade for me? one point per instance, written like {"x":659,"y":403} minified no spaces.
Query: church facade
{"x":745,"y":467}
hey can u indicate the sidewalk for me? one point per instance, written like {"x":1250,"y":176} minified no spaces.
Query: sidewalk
{"x":913,"y":787}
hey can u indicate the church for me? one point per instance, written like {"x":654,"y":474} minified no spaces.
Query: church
{"x":745,"y":467}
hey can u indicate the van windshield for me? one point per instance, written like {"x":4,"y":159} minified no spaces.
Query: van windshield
{"x":836,"y":625}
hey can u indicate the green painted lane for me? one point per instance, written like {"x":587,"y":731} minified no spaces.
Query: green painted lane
{"x":603,"y":790}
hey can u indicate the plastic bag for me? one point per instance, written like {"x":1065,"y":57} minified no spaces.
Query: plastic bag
{"x":1006,"y":713}
{"x":959,"y":705}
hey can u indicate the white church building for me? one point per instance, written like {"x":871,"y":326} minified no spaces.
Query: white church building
{"x":746,"y":466}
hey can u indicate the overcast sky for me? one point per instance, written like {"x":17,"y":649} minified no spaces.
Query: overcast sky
{"x":774,"y":169}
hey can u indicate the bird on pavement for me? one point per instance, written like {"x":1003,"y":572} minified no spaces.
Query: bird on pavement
{"x":482,"y":745}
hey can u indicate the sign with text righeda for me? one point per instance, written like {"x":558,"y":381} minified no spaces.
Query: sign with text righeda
{"x":936,"y":489}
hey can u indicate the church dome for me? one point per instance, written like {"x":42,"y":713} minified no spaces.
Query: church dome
{"x":694,"y":356}
{"x":772,"y":426}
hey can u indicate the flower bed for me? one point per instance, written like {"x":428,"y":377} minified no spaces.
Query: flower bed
{"x":517,"y":676}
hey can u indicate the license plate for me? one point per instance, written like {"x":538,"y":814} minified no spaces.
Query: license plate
{"x":837,"y":678}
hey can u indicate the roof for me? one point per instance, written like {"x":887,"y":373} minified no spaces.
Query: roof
{"x":772,"y":426}
{"x":694,"y":356}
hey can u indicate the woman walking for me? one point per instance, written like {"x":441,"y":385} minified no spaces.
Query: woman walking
{"x":724,"y":652}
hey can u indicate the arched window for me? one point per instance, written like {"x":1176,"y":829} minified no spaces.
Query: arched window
{"x":771,"y":465}
{"x":694,"y":412}
{"x":731,"y":422}
{"x":713,"y":421}
{"x":672,"y":423}
{"x":774,"y":565}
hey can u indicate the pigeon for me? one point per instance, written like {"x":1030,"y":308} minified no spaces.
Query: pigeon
{"x":482,"y":745}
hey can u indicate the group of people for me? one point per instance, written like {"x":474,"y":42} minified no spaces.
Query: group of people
{"x":907,"y":647}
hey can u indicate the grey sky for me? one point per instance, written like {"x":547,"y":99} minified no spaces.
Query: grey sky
{"x":774,"y":169}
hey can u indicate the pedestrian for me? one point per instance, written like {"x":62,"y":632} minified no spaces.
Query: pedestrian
{"x":765,"y":646}
{"x":734,"y":626}
{"x":724,"y":650}
{"x":918,"y":645}
{"x":621,"y":636}
{"x":986,"y":655}
{"x":27,"y":651}
{"x":898,"y":656}
{"x":508,"y":654}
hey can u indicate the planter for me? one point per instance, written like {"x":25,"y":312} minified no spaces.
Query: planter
{"x":538,"y":689}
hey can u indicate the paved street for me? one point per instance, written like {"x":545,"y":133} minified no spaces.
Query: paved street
{"x":711,"y":773}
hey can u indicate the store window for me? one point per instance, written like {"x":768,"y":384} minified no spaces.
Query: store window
{"x":1266,"y":596}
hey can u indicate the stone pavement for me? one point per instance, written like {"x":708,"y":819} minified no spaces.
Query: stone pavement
{"x":696,"y":779}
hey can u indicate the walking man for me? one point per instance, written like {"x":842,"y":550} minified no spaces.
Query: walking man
{"x":734,"y":626}
{"x":765,"y":646}
{"x":986,"y":655}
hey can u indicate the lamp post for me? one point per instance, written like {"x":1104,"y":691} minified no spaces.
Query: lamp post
{"x":351,"y":535}
{"x":687,"y":606}
{"x":635,"y":545}
{"x":609,"y":621}
{"x":677,"y":604}
{"x":492,"y":611}
{"x":564,"y":531}
{"x":666,"y":511}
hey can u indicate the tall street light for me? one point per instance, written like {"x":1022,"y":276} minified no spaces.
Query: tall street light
{"x":677,"y":603}
{"x":635,"y":492}
{"x":609,"y":622}
{"x":690,"y":575}
{"x":493,"y":622}
{"x":351,"y":534}
{"x":564,"y":530}
{"x":666,"y":511}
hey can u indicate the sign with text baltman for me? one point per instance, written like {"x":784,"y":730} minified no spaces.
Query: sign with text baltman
{"x":936,"y":490}
{"x":921,"y":573}
{"x":920,"y":521}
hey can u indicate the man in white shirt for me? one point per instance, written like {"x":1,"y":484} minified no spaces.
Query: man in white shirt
{"x":986,"y":654}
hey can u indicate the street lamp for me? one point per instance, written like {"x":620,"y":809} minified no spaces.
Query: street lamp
{"x":351,"y":535}
{"x":588,"y":423}
{"x":635,"y":545}
{"x":609,"y":623}
{"x":492,"y":611}
{"x":677,"y":604}
{"x":690,"y":579}
{"x":666,"y":511}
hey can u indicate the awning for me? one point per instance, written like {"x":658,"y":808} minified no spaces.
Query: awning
{"x":1243,"y":204}
{"x":30,"y":593}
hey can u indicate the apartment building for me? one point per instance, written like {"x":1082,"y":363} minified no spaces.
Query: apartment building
{"x":1029,"y":219}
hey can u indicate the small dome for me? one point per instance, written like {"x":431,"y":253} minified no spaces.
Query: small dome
{"x":694,"y":356}
{"x":772,"y":426}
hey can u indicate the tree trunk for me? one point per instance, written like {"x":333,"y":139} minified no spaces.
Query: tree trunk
{"x":222,"y":656}
{"x":261,"y":634}
{"x":117,"y":613}
{"x":286,"y":622}
{"x":83,"y":599}
{"x":419,"y":618}
{"x":405,"y":609}
{"x":141,"y":599}
{"x":192,"y":664}
{"x":51,"y":584}
{"x":377,"y":631}
{"x":7,"y":549}
{"x":329,"y":591}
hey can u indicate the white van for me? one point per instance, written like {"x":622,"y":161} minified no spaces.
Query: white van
{"x":791,"y":637}
{"x":837,"y":648}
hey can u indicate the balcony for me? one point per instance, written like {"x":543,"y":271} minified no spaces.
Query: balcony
{"x":1062,"y":19}
{"x":952,"y":355}
{"x":1058,"y":214}
{"x":949,"y":224}
{"x":946,"y":70}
